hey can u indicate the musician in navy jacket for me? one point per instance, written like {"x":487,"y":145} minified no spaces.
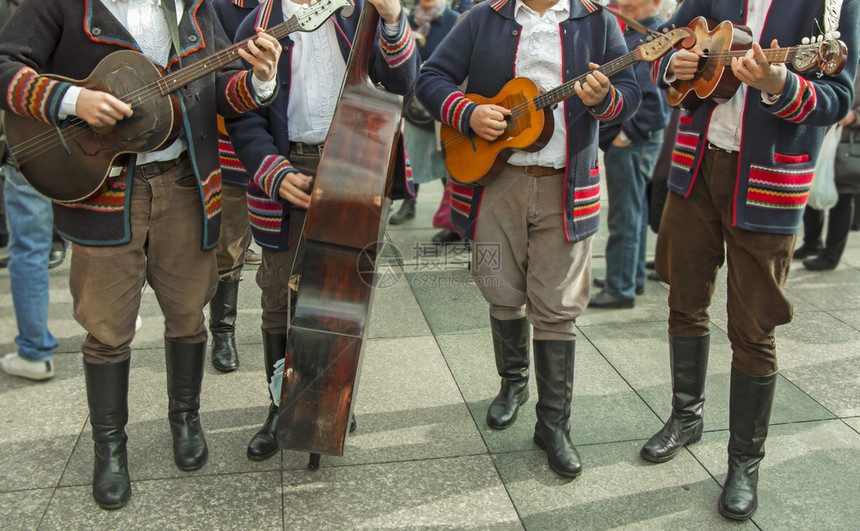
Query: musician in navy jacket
{"x":235,"y":233}
{"x":155,"y":219}
{"x":532,"y":245}
{"x":740,"y":178}
{"x":281,"y":147}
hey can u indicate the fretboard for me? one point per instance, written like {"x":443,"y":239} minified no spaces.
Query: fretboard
{"x":186,"y":75}
{"x":562,"y":92}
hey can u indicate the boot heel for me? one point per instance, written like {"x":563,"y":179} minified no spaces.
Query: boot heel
{"x":537,"y":440}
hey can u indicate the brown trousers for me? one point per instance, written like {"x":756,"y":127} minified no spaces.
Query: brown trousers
{"x":235,"y":233}
{"x":696,"y":237}
{"x":166,"y":234}
{"x":277,"y":267}
{"x":521,"y":260}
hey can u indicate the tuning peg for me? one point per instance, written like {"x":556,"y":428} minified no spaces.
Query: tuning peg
{"x":664,"y":30}
{"x":649,"y":38}
{"x":673,"y":26}
{"x":804,"y":40}
{"x":641,"y":41}
{"x":820,"y":38}
{"x":836,"y":34}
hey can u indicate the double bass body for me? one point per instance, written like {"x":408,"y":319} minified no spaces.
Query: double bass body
{"x":346,"y":220}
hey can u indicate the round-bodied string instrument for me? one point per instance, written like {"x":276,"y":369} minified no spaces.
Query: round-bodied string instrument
{"x":347,"y":217}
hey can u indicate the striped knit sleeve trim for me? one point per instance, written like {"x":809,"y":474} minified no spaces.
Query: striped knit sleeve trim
{"x":798,"y":104}
{"x":270,"y":174}
{"x":454,"y":110}
{"x":655,"y":72}
{"x":36,"y":96}
{"x":399,"y":50}
{"x":613,"y":106}
{"x":240,"y":93}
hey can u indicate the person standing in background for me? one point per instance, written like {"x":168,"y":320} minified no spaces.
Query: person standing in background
{"x":430,"y":21}
{"x":629,"y":161}
{"x":30,"y":222}
{"x":235,"y":233}
{"x":815,"y":256}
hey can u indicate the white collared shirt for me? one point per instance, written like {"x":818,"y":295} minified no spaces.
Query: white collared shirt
{"x":539,"y":58}
{"x":726,"y":121}
{"x":145,"y":21}
{"x":316,"y":69}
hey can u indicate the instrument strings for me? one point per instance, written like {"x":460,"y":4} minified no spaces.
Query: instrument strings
{"x":559,"y":93}
{"x":779,"y":54}
{"x":49,"y":140}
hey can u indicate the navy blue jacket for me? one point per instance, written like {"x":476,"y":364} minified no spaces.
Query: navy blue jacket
{"x":68,"y":38}
{"x":482,"y":47}
{"x":261,"y":139}
{"x":779,"y":142}
{"x":231,"y":13}
{"x":438,"y":29}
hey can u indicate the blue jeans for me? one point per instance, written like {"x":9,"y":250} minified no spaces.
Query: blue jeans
{"x":628,"y":170}
{"x":30,"y":220}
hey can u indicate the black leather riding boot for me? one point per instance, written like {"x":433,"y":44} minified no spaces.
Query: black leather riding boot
{"x":184,"y":380}
{"x":404,"y":214}
{"x":511,"y":348}
{"x":554,"y":372}
{"x":688,"y":359}
{"x":264,"y":444}
{"x":222,"y":325}
{"x":750,"y":404}
{"x":107,"y":396}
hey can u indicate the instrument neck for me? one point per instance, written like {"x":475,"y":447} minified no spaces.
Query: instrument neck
{"x":773,"y":55}
{"x":362,"y":46}
{"x":186,"y":75}
{"x":562,"y":92}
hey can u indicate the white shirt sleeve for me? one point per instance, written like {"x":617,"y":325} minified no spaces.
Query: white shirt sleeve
{"x":70,"y":102}
{"x":264,"y":89}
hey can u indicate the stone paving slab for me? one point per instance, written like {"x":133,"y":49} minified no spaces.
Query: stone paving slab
{"x":40,"y":424}
{"x":827,"y":290}
{"x":450,"y":301}
{"x":454,"y":493}
{"x":821,"y":354}
{"x":23,"y":509}
{"x":616,"y":489}
{"x":423,"y":456}
{"x":641,"y":356}
{"x":395,"y":312}
{"x":604,"y":407}
{"x":234,"y":501}
{"x":407,"y":407}
{"x":232,"y":407}
{"x":809,"y":479}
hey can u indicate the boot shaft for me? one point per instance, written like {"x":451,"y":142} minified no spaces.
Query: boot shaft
{"x":511,"y":348}
{"x":554,"y":366}
{"x":107,"y":397}
{"x":750,"y":406}
{"x":185,"y":363}
{"x":688,"y":360}
{"x":223,"y":307}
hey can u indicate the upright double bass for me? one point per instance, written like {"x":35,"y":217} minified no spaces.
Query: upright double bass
{"x":346,"y":219}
